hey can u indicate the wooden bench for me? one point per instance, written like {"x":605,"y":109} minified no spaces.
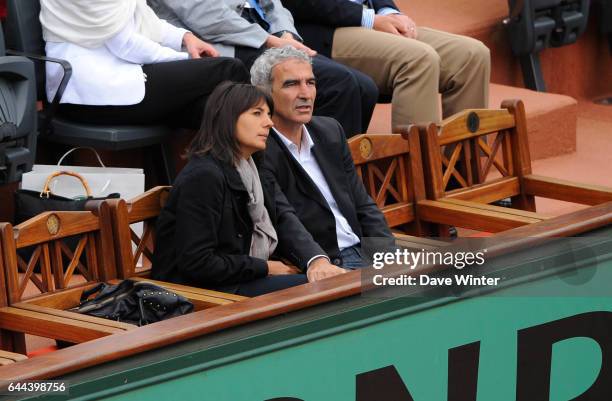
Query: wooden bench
{"x":92,"y":258}
{"x":391,"y":168}
{"x":88,"y":255}
{"x":134,"y":251}
{"x":485,"y":154}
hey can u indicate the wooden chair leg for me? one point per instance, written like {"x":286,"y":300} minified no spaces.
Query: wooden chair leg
{"x":12,"y":341}
{"x":524,"y":202}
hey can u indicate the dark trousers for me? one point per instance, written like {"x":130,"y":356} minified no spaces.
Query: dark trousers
{"x":175,"y":94}
{"x":343,"y":93}
{"x":270,"y":284}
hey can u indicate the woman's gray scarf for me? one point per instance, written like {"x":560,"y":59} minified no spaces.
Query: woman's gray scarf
{"x":264,"y":239}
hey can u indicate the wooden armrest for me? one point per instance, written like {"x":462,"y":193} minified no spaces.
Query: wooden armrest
{"x":74,"y":316}
{"x":194,"y":290}
{"x":568,"y":191}
{"x":471,"y":217}
{"x":64,"y":299}
{"x":201,"y":298}
{"x":410,"y":241}
{"x":52,"y":326}
{"x":487,"y":192}
{"x":398,"y":213}
{"x":494,"y":208}
{"x":6,"y":357}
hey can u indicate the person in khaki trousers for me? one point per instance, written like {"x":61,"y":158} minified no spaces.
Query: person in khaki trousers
{"x":411,"y":63}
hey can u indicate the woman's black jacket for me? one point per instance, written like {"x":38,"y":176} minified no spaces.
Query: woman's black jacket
{"x":204,"y":231}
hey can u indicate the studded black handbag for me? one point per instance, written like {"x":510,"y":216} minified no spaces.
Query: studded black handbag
{"x":135,"y":302}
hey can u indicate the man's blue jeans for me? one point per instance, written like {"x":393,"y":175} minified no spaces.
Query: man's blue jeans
{"x":352,"y":258}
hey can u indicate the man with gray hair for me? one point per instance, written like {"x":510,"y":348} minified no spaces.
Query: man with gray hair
{"x":261,"y":70}
{"x":245,"y":28}
{"x":311,"y":161}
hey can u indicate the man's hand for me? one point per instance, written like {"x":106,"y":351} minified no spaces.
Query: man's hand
{"x":384,"y":23}
{"x":408,"y":26}
{"x":287,"y":40}
{"x":197,"y":48}
{"x":276,"y":268}
{"x":320,"y":268}
{"x":396,"y":24}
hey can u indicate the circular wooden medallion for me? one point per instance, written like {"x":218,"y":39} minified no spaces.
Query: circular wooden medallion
{"x":365,"y":148}
{"x":53,"y":224}
{"x":473,"y":122}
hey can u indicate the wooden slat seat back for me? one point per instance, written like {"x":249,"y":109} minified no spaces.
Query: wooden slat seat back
{"x":132,"y":248}
{"x":474,"y":158}
{"x":7,"y":338}
{"x":72,"y":251}
{"x":390,"y":168}
{"x":59,"y":265}
{"x":477,"y":157}
{"x":471,"y":147}
{"x":134,"y":252}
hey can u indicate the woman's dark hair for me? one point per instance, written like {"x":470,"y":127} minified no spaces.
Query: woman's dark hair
{"x":217,"y":133}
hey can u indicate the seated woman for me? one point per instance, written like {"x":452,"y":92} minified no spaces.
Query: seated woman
{"x":222,"y":221}
{"x":127,"y":64}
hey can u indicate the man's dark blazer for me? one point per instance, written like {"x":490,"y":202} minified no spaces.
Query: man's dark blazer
{"x":204,"y":230}
{"x":316,"y":20}
{"x":334,"y":158}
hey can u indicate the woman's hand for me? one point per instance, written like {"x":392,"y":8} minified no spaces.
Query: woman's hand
{"x":276,"y":268}
{"x":197,"y":48}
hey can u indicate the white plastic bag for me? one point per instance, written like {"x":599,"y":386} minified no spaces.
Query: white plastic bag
{"x":102,"y":180}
